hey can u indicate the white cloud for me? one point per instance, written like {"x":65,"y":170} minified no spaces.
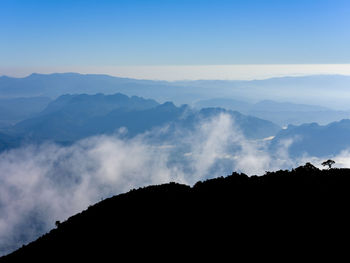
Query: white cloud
{"x":50,"y":182}
{"x":56,"y":182}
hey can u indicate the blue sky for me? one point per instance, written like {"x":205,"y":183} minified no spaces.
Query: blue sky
{"x":99,"y":33}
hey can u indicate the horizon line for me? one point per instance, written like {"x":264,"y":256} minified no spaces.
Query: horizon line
{"x":181,"y":80}
{"x":172,"y":73}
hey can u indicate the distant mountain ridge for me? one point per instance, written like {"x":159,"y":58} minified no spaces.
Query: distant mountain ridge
{"x":329,"y":90}
{"x":13,"y":110}
{"x":73,"y":117}
{"x":314,"y":139}
{"x":98,"y":104}
{"x":326,"y":90}
{"x":8,"y":141}
{"x":281,"y":113}
{"x":57,"y":84}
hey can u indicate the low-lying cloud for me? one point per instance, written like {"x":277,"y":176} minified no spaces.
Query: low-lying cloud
{"x":40,"y":184}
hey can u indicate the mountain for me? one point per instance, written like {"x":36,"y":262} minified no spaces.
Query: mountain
{"x":269,"y":105}
{"x":219,"y":217}
{"x":53,"y":85}
{"x":8,"y":142}
{"x":251,"y":127}
{"x":57,"y":84}
{"x":226,"y":103}
{"x":73,"y":117}
{"x":314,"y":139}
{"x":281,"y":113}
{"x":98,"y":104}
{"x":285,"y":113}
{"x":13,"y":110}
{"x":329,"y":90}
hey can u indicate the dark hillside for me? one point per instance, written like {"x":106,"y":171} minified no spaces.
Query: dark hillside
{"x":221,"y":215}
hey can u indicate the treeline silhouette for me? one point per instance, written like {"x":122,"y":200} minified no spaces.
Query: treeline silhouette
{"x":231,"y":216}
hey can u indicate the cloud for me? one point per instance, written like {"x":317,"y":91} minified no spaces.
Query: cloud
{"x":40,"y":184}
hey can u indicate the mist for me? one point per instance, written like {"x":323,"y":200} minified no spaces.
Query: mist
{"x":40,"y":184}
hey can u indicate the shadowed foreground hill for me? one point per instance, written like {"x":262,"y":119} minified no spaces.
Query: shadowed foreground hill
{"x":223,"y":215}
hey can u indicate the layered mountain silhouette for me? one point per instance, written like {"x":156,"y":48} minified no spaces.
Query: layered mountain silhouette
{"x":57,"y":84}
{"x":216,"y":217}
{"x":13,"y":110}
{"x":306,"y":89}
{"x":281,"y":113}
{"x":327,"y":90}
{"x":315,"y":140}
{"x":73,"y":117}
{"x":8,"y":141}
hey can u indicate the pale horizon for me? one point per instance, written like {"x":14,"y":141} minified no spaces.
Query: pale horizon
{"x":191,"y":72}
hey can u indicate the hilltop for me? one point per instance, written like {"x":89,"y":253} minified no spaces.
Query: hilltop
{"x":73,"y":117}
{"x":304,"y":205}
{"x":310,"y":89}
{"x":314,"y":139}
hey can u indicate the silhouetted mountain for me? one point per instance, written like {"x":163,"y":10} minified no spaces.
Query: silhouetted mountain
{"x":17,"y":109}
{"x":226,"y":103}
{"x":73,"y":117}
{"x":215,"y":217}
{"x":54,"y":85}
{"x":307,"y":89}
{"x":327,"y":90}
{"x":269,"y":105}
{"x":281,"y":113}
{"x":314,"y":139}
{"x":8,"y":141}
{"x":99,"y":104}
{"x":57,"y":84}
{"x":284,"y":113}
{"x":252,"y":127}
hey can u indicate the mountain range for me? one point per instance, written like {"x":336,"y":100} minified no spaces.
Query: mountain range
{"x":281,"y":113}
{"x":315,"y":140}
{"x":7,"y":142}
{"x":13,"y":110}
{"x":73,"y":117}
{"x":65,"y":108}
{"x":57,"y":84}
{"x":225,"y":216}
{"x":329,"y":90}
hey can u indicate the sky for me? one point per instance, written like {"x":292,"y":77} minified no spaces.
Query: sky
{"x":138,"y":35}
